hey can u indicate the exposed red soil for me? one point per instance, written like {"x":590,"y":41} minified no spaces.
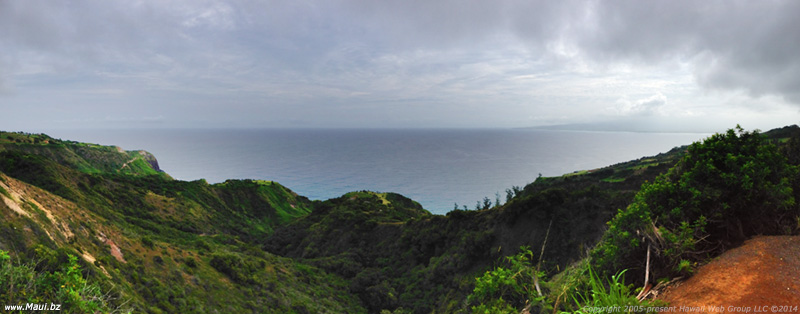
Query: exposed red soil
{"x":763,"y":275}
{"x":115,"y":251}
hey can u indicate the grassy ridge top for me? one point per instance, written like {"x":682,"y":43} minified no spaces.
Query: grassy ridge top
{"x":84,"y":157}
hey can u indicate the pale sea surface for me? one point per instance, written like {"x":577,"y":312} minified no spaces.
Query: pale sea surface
{"x":435,"y":167}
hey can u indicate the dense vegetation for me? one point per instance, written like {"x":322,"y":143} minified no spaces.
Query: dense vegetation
{"x":726,"y":189}
{"x":55,"y":283}
{"x":425,"y":263}
{"x":149,"y":243}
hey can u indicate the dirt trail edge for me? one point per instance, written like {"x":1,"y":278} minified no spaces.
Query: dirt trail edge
{"x":763,"y":275}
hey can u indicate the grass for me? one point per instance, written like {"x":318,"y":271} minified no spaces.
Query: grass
{"x":22,"y":283}
{"x":576,"y":173}
{"x":608,"y":294}
{"x":4,"y":192}
{"x":38,"y":211}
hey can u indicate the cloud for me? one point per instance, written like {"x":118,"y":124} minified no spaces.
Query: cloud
{"x":467,"y":62}
{"x":5,"y":88}
{"x":649,"y":106}
{"x":215,"y":15}
{"x":731,"y":45}
{"x":750,"y":46}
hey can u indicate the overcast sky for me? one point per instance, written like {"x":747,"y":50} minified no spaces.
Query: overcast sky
{"x":676,"y":65}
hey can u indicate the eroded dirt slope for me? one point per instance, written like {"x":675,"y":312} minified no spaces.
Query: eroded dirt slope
{"x":765,"y":271}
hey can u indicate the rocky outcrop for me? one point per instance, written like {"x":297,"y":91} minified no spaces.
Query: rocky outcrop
{"x":151,"y":159}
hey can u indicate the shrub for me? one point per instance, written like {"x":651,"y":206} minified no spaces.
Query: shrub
{"x":727,"y":188}
{"x":238,"y":269}
{"x":508,"y":287}
{"x":147,"y":242}
{"x":21,"y":284}
{"x":191,"y":262}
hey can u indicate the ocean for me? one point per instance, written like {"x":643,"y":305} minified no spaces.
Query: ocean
{"x":435,"y":167}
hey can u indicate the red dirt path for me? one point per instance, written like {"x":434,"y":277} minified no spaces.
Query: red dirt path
{"x":765,"y":271}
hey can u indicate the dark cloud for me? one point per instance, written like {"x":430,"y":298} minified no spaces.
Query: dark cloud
{"x":457,"y":59}
{"x":748,"y":45}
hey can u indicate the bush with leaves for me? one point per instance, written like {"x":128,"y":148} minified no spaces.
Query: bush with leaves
{"x":728,"y":187}
{"x":239,"y":267}
{"x":511,"y":288}
{"x":507,"y":288}
{"x":22,"y":284}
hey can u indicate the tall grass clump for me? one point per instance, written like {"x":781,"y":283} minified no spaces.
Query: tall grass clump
{"x":611,"y":295}
{"x":21,"y":284}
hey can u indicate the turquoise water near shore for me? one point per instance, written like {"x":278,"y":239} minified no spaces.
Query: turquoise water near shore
{"x":436,"y":167}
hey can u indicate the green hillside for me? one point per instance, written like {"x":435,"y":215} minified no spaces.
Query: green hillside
{"x":84,"y":157}
{"x":180,"y":246}
{"x":145,"y":242}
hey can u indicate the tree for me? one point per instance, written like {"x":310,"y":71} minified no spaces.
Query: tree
{"x":792,"y":150}
{"x":487,"y":203}
{"x":517,"y":190}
